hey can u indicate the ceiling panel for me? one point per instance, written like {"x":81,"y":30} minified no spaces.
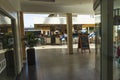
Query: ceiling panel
{"x":63,"y":6}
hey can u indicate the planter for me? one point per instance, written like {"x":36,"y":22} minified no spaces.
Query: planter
{"x":10,"y":63}
{"x":31,"y":56}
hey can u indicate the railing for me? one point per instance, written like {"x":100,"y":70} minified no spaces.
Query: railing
{"x":2,"y":60}
{"x":2,"y":65}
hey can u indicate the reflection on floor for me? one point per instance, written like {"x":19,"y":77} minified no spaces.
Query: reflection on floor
{"x":116,"y":69}
{"x":59,"y":46}
{"x":53,"y":63}
{"x":56,"y":64}
{"x":7,"y":76}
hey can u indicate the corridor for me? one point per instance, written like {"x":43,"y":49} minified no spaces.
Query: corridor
{"x":56,"y":64}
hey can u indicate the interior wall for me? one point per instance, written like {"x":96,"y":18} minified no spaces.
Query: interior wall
{"x":12,"y":7}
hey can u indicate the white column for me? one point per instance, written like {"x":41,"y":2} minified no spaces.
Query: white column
{"x":22,"y":34}
{"x":69,"y":33}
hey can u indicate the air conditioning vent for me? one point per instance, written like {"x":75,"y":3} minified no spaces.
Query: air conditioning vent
{"x":44,"y":0}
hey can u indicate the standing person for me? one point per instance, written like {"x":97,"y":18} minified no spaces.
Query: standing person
{"x":42,"y":39}
{"x":62,"y":38}
{"x":52,"y":38}
{"x":118,"y":51}
{"x":65,"y":35}
{"x":118,"y":55}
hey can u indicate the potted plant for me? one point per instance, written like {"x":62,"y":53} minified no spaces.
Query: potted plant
{"x":8,"y":44}
{"x":30,"y":41}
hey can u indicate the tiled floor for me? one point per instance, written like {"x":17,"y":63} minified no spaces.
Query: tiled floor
{"x":53,"y":63}
{"x":116,"y":69}
{"x":56,"y":64}
{"x":5,"y":76}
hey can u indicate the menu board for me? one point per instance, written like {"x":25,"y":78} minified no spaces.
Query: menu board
{"x":83,"y":42}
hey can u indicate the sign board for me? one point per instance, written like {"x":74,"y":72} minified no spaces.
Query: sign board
{"x":83,"y":42}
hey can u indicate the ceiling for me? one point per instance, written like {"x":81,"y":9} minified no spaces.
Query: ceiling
{"x":57,"y":6}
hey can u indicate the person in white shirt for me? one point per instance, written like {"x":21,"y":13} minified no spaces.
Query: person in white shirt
{"x":65,"y":35}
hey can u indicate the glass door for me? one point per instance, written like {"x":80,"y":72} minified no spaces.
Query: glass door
{"x":116,"y":41}
{"x":98,"y":41}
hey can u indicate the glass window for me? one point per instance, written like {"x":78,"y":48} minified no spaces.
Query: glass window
{"x":7,"y":64}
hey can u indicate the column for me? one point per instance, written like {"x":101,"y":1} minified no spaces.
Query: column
{"x":22,"y":35}
{"x":107,"y":40}
{"x":69,"y":33}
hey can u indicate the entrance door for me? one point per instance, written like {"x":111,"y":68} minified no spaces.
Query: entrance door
{"x":98,"y":42}
{"x":116,"y":41}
